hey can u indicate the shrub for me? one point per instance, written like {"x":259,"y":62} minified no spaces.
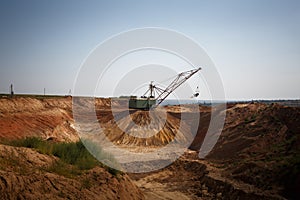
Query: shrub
{"x":74,"y":154}
{"x":63,"y":169}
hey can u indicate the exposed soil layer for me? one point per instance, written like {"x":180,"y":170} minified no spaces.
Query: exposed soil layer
{"x":135,"y":128}
{"x":24,"y":174}
{"x":191,"y":178}
{"x":49,"y":118}
{"x":260,"y":146}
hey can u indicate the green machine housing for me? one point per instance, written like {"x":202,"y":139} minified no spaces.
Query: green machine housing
{"x":144,"y":103}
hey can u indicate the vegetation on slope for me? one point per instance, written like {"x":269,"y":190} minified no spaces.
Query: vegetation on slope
{"x":73,"y":157}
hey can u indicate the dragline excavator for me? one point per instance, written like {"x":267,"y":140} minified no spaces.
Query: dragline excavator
{"x":146,"y":102}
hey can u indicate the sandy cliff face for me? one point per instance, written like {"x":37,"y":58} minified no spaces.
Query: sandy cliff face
{"x":51,"y":118}
{"x":139,"y":129}
{"x":260,"y":146}
{"x":47,"y":118}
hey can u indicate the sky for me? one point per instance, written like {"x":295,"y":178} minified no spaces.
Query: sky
{"x":255,"y":45}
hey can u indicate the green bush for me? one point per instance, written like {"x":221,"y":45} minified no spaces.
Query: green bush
{"x":73,"y":153}
{"x":63,"y":169}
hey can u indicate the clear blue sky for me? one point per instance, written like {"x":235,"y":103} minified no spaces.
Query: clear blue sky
{"x":254,"y":44}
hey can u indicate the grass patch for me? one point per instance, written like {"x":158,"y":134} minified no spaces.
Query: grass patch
{"x":75,"y":154}
{"x":74,"y":157}
{"x":40,"y":145}
{"x":63,"y":169}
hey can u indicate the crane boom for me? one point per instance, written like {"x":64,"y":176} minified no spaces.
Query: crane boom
{"x":180,"y":79}
{"x":146,"y":102}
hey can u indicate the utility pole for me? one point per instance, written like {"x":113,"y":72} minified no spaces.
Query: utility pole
{"x":11,"y":89}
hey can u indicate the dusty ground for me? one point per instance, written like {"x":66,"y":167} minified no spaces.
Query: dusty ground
{"x":191,"y":178}
{"x":256,"y":156}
